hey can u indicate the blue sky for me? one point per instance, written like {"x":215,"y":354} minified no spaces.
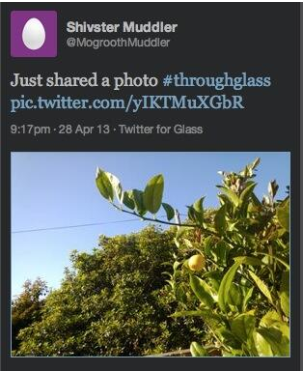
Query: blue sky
{"x":58,"y":189}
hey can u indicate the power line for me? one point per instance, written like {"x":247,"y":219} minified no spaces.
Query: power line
{"x":77,"y":226}
{"x":73,"y":226}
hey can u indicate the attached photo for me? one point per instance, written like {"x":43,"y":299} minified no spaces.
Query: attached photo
{"x":150,"y":254}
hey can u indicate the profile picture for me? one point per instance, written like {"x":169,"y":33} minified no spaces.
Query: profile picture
{"x":34,"y":33}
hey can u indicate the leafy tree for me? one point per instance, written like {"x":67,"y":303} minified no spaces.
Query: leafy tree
{"x":114,"y":301}
{"x":26,"y":308}
{"x":232,"y":267}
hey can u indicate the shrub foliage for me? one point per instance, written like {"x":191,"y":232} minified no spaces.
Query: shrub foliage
{"x":114,"y":301}
{"x":240,"y":289}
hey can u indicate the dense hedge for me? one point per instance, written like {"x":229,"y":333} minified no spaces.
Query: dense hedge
{"x":114,"y":301}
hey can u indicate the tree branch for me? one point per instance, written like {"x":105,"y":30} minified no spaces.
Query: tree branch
{"x":154,"y":219}
{"x":161,"y":221}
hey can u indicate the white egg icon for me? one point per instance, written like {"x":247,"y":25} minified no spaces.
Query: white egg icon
{"x":33,"y":34}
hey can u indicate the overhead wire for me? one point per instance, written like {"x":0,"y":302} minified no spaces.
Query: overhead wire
{"x":52,"y":228}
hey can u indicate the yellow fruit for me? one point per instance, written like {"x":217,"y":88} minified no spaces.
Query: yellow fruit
{"x":196,"y":262}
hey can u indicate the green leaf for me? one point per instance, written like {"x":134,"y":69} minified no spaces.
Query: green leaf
{"x":283,"y":214}
{"x":169,"y":211}
{"x":222,"y":249}
{"x":209,"y":317}
{"x":127,"y":200}
{"x":104,"y":185}
{"x":227,"y":337}
{"x":212,"y":319}
{"x":255,"y":163}
{"x":262,"y":346}
{"x":283,"y":328}
{"x":278,"y":342}
{"x":196,"y":211}
{"x":276,"y":332}
{"x":231,"y":195}
{"x":116,"y":185}
{"x":208,"y":245}
{"x":273,"y":188}
{"x":198,"y":205}
{"x":247,"y":192}
{"x":235,"y":297}
{"x":220,"y":220}
{"x":223,"y":293}
{"x":246,"y":260}
{"x":187,"y":243}
{"x":191,"y":213}
{"x":247,"y":298}
{"x":197,"y":350}
{"x":137,"y":196}
{"x":180,"y":295}
{"x":245,"y":172}
{"x":223,"y":199}
{"x":201,"y":290}
{"x":233,"y":353}
{"x":242,"y":326}
{"x":275,"y":258}
{"x":284,"y":292}
{"x":269,"y":319}
{"x":153,"y":193}
{"x":262,"y":286}
{"x":255,"y":201}
{"x":180,"y":232}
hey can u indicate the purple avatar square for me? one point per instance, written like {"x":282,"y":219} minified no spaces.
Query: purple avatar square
{"x":33,"y":33}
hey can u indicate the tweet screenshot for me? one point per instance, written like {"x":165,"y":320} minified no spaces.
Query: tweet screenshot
{"x":151,"y":186}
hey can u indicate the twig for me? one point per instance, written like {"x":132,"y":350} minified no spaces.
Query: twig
{"x":155,"y":219}
{"x":162,"y":221}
